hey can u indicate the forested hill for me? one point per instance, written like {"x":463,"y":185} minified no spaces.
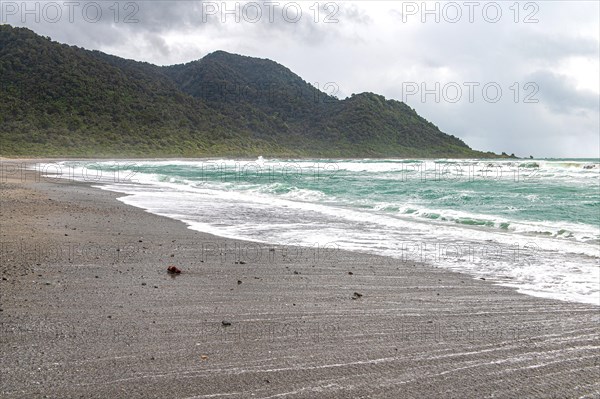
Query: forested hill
{"x":60,"y":100}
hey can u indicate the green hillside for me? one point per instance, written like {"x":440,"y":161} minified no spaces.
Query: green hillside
{"x":59,"y":100}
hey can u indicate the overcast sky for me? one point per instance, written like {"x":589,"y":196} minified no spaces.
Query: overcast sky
{"x":542,"y":56}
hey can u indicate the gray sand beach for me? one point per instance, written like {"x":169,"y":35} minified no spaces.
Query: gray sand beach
{"x":89,"y":310}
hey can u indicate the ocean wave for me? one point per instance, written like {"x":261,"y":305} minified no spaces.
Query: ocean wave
{"x":368,"y":208}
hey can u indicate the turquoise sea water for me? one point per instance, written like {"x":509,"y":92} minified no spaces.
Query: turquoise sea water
{"x":532,"y":224}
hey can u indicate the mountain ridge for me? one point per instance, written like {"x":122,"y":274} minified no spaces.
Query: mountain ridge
{"x":60,"y":100}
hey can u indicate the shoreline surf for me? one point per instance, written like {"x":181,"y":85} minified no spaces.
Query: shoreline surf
{"x":562,"y":264}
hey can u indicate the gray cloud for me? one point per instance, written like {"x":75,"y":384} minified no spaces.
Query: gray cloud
{"x":560,"y":95}
{"x":537,"y":45}
{"x":372,"y":49}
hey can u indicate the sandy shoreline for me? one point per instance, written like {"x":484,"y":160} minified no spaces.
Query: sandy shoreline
{"x":88,"y":310}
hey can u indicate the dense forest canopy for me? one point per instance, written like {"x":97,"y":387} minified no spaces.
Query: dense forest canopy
{"x":60,"y":100}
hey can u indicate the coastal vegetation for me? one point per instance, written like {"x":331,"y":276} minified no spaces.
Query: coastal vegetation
{"x":60,"y":100}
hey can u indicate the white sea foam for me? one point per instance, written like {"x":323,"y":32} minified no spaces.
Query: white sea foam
{"x":555,"y":259}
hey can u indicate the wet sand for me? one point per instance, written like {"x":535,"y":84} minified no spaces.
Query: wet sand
{"x":88,"y":310}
